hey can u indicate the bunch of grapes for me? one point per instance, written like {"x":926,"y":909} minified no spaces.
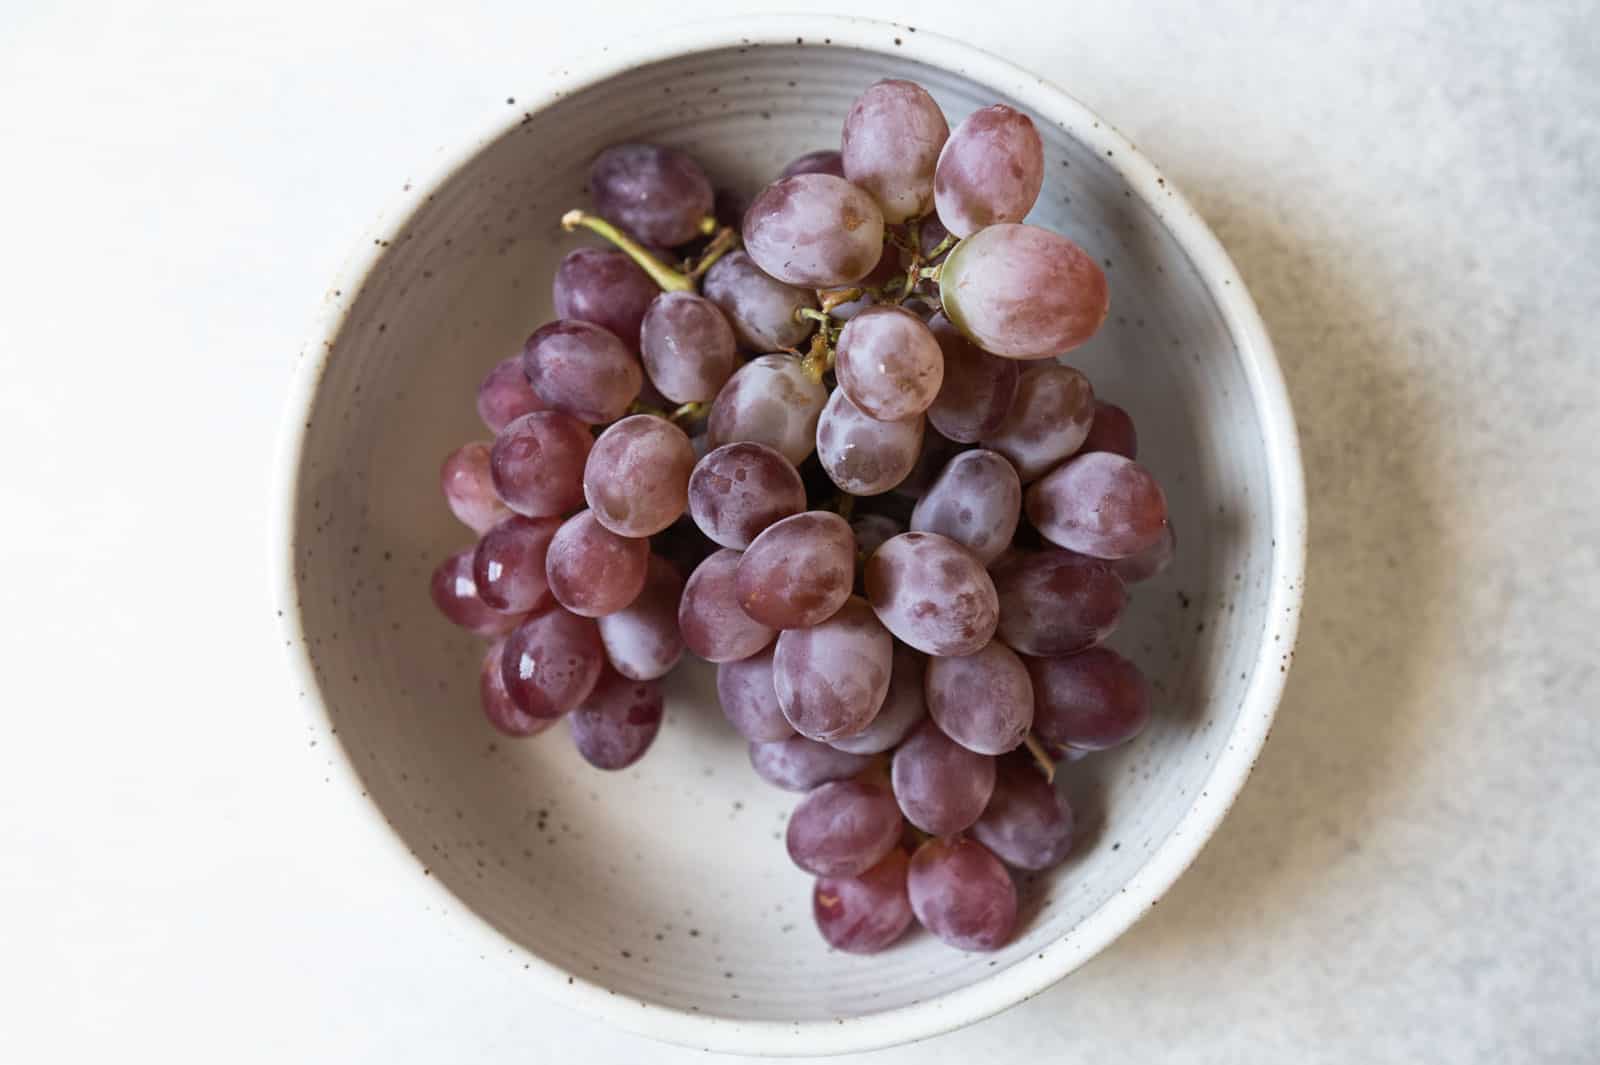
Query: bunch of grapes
{"x":824,"y":442}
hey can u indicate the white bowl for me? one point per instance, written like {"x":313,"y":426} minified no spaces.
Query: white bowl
{"x":660,"y":898}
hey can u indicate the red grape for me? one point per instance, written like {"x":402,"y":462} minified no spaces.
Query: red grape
{"x":1022,"y":292}
{"x":605,"y":287}
{"x":903,"y":706}
{"x":990,"y":171}
{"x":687,"y":346}
{"x":508,"y":564}
{"x":658,"y":194}
{"x":977,"y":389}
{"x":636,"y":479}
{"x":551,"y":662}
{"x":1091,"y":701}
{"x":814,"y":230}
{"x":641,"y":639}
{"x":888,"y":363}
{"x":738,"y":490}
{"x":983,"y":701}
{"x":864,"y":914}
{"x":799,"y":571}
{"x":592,"y":571}
{"x":769,"y":401}
{"x":502,"y":713}
{"x":1112,"y":431}
{"x":831,"y":678}
{"x":537,"y":463}
{"x":976,"y":502}
{"x":1028,"y":823}
{"x":750,"y":701}
{"x":709,"y":617}
{"x":1149,"y":562}
{"x":1048,"y":420}
{"x":892,"y":136}
{"x":505,"y":395}
{"x":940,"y":785}
{"x":865,"y":456}
{"x":468,"y":487}
{"x":844,"y":828}
{"x":583,"y":370}
{"x":455,"y":593}
{"x":798,"y":764}
{"x":619,"y":720}
{"x":1099,"y":504}
{"x":761,"y":309}
{"x":932,"y":593}
{"x":1057,"y":602}
{"x":961,"y":893}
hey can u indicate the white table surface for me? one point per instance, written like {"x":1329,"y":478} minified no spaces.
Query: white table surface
{"x":1411,"y":192}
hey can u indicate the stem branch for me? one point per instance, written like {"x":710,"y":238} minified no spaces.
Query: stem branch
{"x":669,"y":279}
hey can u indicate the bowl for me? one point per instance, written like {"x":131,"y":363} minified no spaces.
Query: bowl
{"x":660,"y":898}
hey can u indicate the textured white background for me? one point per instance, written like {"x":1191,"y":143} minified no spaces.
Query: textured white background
{"x":1411,"y":192}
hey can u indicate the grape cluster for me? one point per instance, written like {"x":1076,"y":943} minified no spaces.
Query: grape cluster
{"x":824,"y":442}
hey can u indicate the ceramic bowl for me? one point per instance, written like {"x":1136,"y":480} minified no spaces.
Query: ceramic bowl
{"x":660,"y":898}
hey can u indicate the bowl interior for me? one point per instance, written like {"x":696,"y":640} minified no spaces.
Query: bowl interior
{"x":668,"y":883}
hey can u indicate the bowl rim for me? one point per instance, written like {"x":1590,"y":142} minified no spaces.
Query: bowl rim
{"x":1028,"y":976}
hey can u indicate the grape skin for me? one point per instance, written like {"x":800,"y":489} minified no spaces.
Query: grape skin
{"x":892,"y":137}
{"x":865,"y":456}
{"x":656,"y":193}
{"x":799,"y":764}
{"x":1048,"y":420}
{"x":1099,"y":504}
{"x":1057,"y":602}
{"x":984,"y":701}
{"x":709,"y":617}
{"x":508,"y":564}
{"x":505,"y":395}
{"x":961,"y":893}
{"x":468,"y":487}
{"x":1112,"y":430}
{"x":750,"y":701}
{"x":1028,"y":824}
{"x":1091,"y":701}
{"x":592,"y":571}
{"x":864,"y":914}
{"x":933,"y":594}
{"x":903,"y":707}
{"x":687,"y":347}
{"x":1150,"y":562}
{"x":551,"y":662}
{"x":844,"y":828}
{"x":814,"y":230}
{"x":738,"y":490}
{"x":636,"y":479}
{"x":769,"y":400}
{"x":506,"y":717}
{"x":888,"y":363}
{"x":831,"y":678}
{"x":618,"y":722}
{"x":642,"y":640}
{"x":455,"y":593}
{"x":761,"y":309}
{"x":976,"y":501}
{"x":605,"y":287}
{"x":583,"y":370}
{"x":941,"y":786}
{"x":990,"y":171}
{"x":977,"y":389}
{"x":1023,"y":292}
{"x":798,"y":571}
{"x":823,"y":161}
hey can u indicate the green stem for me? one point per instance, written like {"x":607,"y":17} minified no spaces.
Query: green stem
{"x":669,"y":279}
{"x":1036,"y":749}
{"x":720,"y":245}
{"x":819,"y":360}
{"x":931,"y":273}
{"x":708,"y":225}
{"x":943,"y":246}
{"x":833,"y":297}
{"x":688,"y":412}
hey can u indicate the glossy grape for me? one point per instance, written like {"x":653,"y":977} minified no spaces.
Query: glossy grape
{"x":455,"y":593}
{"x":961,"y":893}
{"x":903,"y":707}
{"x":1091,"y":701}
{"x":798,"y":571}
{"x":1112,"y":430}
{"x":769,"y":400}
{"x":865,"y":456}
{"x":831,"y":678}
{"x":940,"y":785}
{"x":990,"y":171}
{"x":1151,"y":561}
{"x":1023,"y":292}
{"x":738,"y":490}
{"x":799,"y":764}
{"x":892,"y":137}
{"x":592,"y":571}
{"x":932,"y":593}
{"x":505,"y":395}
{"x":468,"y":487}
{"x":508,"y":564}
{"x":1048,"y":420}
{"x":658,"y":194}
{"x":888,"y":363}
{"x":619,"y":720}
{"x":750,"y":701}
{"x":1027,"y":824}
{"x":824,"y":161}
{"x":709,"y":617}
{"x":551,"y":662}
{"x":814,"y":230}
{"x":1057,"y":602}
{"x":983,"y":701}
{"x":503,"y":714}
{"x":864,"y":914}
{"x":583,"y":370}
{"x":636,"y":479}
{"x":605,"y":287}
{"x":687,"y":346}
{"x":976,"y":502}
{"x":844,"y":828}
{"x":977,"y":389}
{"x":871,"y":530}
{"x":760,"y":308}
{"x":1099,"y":504}
{"x":641,"y":639}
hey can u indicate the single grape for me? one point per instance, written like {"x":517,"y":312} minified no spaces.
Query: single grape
{"x":865,"y":456}
{"x":761,"y":309}
{"x":1022,"y":292}
{"x":864,"y":914}
{"x":940,"y":785}
{"x":1027,"y":824}
{"x":641,"y":639}
{"x":961,"y":893}
{"x":844,"y":828}
{"x":508,"y":564}
{"x":592,"y":571}
{"x":983,"y":701}
{"x":936,"y":450}
{"x":892,"y":137}
{"x":799,"y":764}
{"x":468,"y":487}
{"x":1099,"y":504}
{"x":888,"y":363}
{"x":637,"y":477}
{"x":551,"y":662}
{"x":772,"y":401}
{"x":815,"y":230}
{"x":505,"y":395}
{"x":798,"y":572}
{"x":871,"y":530}
{"x":831,"y":679}
{"x":824,"y":161}
{"x":1091,"y":701}
{"x":990,"y":171}
{"x":739,"y":489}
{"x":709,"y":617}
{"x":1048,"y":420}
{"x":1057,"y":602}
{"x":687,"y":346}
{"x":658,"y":194}
{"x":750,"y":701}
{"x":932,"y":593}
{"x":455,"y":593}
{"x":1112,"y":430}
{"x":502,"y":713}
{"x":977,"y":390}
{"x":605,"y":287}
{"x":582,"y":370}
{"x":976,"y":502}
{"x":619,"y":720}
{"x":1149,"y":562}
{"x":903,"y":706}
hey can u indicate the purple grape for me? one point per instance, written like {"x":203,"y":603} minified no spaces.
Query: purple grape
{"x":508,"y":564}
{"x":455,"y":593}
{"x":1149,"y":562}
{"x":961,"y":893}
{"x":468,"y":487}
{"x":1099,"y":504}
{"x":592,"y":571}
{"x":605,"y":287}
{"x":502,"y":713}
{"x":831,"y":678}
{"x":824,"y":161}
{"x":505,"y":395}
{"x":940,"y":785}
{"x":983,"y":701}
{"x":709,"y":617}
{"x":687,"y":346}
{"x":636,"y":479}
{"x":799,"y":764}
{"x":844,"y":828}
{"x":772,"y":401}
{"x":1056,"y":603}
{"x":1023,"y":292}
{"x":865,"y":456}
{"x":903,"y":707}
{"x":641,"y":639}
{"x":977,"y":390}
{"x":798,"y":572}
{"x":551,"y":662}
{"x":737,"y":490}
{"x":976,"y":502}
{"x":871,"y":530}
{"x":1027,"y":824}
{"x":864,"y":914}
{"x":619,"y":720}
{"x":1091,"y":701}
{"x":537,"y":463}
{"x":888,"y":363}
{"x":1112,"y":430}
{"x":814,"y":230}
{"x":750,"y":701}
{"x":658,"y":194}
{"x":932,"y":593}
{"x":1048,"y":420}
{"x":892,"y":137}
{"x":761,"y":309}
{"x":990,"y":171}
{"x":582,"y":370}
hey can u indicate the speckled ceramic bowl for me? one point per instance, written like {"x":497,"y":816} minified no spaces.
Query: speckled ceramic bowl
{"x":660,"y":898}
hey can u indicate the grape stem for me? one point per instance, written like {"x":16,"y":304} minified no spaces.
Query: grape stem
{"x":688,"y":412}
{"x":707,"y":225}
{"x":669,"y":279}
{"x":833,"y":297}
{"x":819,"y":360}
{"x":1036,"y":749}
{"x":940,"y":248}
{"x":721,"y":244}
